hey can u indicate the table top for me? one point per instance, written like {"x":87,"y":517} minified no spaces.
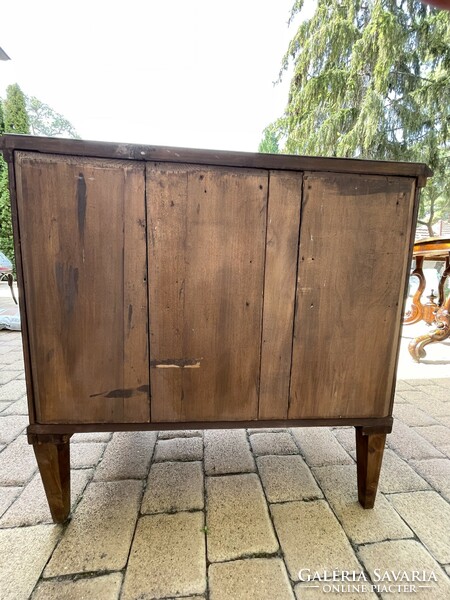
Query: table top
{"x":436,"y":247}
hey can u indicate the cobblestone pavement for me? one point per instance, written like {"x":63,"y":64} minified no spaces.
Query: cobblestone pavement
{"x":226,"y":515}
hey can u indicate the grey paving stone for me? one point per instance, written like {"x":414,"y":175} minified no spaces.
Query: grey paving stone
{"x":444,"y":382}
{"x":12,"y":357}
{"x":413,"y":416}
{"x":437,"y":435}
{"x":94,"y":436}
{"x":409,"y":444}
{"x":435,"y":391}
{"x":346,"y":437}
{"x":227,"y":451}
{"x":179,"y":449}
{"x":17,"y":462}
{"x":237,"y":518}
{"x":167,"y":557}
{"x":397,"y":475}
{"x":437,"y":472}
{"x":180,"y":433}
{"x":19,"y":407}
{"x":320,"y":447}
{"x":27,"y":550}
{"x":127,"y":456}
{"x":250,"y":579}
{"x":287,"y":478}
{"x":31,"y":507}
{"x":85,"y":455}
{"x":11,"y":426}
{"x":99,"y":535}
{"x":311,"y":537}
{"x":7,"y":497}
{"x":339,"y":485}
{"x":428,"y":515}
{"x":174,"y":486}
{"x":105,"y":587}
{"x":402,"y":385}
{"x":432,"y":406}
{"x":13,"y":390}
{"x":405,"y":555}
{"x":6,"y":376}
{"x":273,"y":443}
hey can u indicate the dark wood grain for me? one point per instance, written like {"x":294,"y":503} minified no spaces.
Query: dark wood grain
{"x":369,"y":457}
{"x":54,"y":466}
{"x":84,"y":263}
{"x":354,"y":243}
{"x":285,"y":193}
{"x":214,"y":157}
{"x":206,"y":283}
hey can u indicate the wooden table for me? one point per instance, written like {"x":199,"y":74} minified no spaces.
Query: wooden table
{"x":167,"y":288}
{"x":432,"y":312}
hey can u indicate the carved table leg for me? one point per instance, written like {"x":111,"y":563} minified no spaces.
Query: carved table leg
{"x":416,"y":347}
{"x":53,"y":458}
{"x":369,"y":456}
{"x":415,"y":313}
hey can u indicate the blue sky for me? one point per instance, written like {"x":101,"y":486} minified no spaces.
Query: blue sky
{"x":196,"y":73}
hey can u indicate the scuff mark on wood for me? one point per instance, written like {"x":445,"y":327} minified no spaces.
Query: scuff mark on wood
{"x":176,"y":363}
{"x":130,"y":315}
{"x":81,"y":205}
{"x":122,"y":393}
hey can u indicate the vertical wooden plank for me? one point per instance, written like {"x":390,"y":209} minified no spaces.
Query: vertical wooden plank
{"x":285,"y":191}
{"x":206,"y":264}
{"x":354,"y":241}
{"x":74,"y":218}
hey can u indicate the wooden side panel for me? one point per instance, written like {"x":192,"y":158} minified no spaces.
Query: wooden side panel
{"x":206,"y":241}
{"x":83,"y":239}
{"x":354,"y":244}
{"x":285,"y":192}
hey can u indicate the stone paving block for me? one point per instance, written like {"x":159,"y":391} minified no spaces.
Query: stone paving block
{"x":437,"y":472}
{"x":432,"y":406}
{"x":7,"y":497}
{"x":238,"y":521}
{"x":409,"y":444}
{"x":320,"y":447}
{"x":181,"y":433}
{"x":12,"y":357}
{"x":413,"y":416}
{"x":13,"y":390}
{"x":6,"y":376}
{"x":437,"y":435}
{"x":127,"y":456}
{"x":250,"y":579}
{"x":19,"y":407}
{"x":444,"y":382}
{"x":346,"y":437}
{"x":435,"y":391}
{"x":339,"y":485}
{"x":167,"y":557}
{"x":94,"y":436}
{"x":179,"y":449}
{"x":442,"y":420}
{"x":227,"y":451}
{"x":304,"y":592}
{"x":421,"y":382}
{"x":273,"y":443}
{"x":27,"y":550}
{"x":11,"y":426}
{"x":105,"y":587}
{"x":85,"y":455}
{"x":405,"y":555}
{"x":397,"y":476}
{"x":31,"y":507}
{"x":428,"y":515}
{"x":174,"y":486}
{"x":311,"y":537}
{"x":99,"y":535}
{"x":402,"y":385}
{"x":287,"y":478}
{"x":17,"y":462}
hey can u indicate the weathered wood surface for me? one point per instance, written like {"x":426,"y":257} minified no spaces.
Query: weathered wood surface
{"x":285,"y":195}
{"x":206,"y":239}
{"x":355,"y":233}
{"x":82,"y":229}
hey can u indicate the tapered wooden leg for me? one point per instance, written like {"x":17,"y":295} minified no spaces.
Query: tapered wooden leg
{"x":53,"y":458}
{"x":369,"y":456}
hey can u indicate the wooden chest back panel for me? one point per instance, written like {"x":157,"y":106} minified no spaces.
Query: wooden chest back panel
{"x":82,"y":228}
{"x":206,"y":239}
{"x":355,"y":233}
